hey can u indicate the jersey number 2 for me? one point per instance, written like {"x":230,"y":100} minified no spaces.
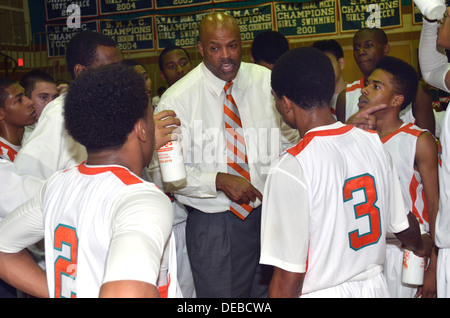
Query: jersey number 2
{"x":66,"y":263}
{"x":367,"y":208}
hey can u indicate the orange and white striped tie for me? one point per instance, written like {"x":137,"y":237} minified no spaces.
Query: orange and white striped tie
{"x":236,"y":152}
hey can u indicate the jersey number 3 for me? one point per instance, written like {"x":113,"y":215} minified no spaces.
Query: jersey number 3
{"x":367,"y":208}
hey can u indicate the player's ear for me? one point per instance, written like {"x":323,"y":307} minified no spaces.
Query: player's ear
{"x":140,"y":129}
{"x":287,"y":104}
{"x":163,"y":77}
{"x":398,"y":100}
{"x":78,"y":68}
{"x":2,"y":113}
{"x":341,"y":62}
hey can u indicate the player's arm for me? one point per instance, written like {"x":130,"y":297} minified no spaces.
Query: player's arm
{"x":21,"y":228}
{"x":413,"y":240}
{"x":433,"y":62}
{"x":128,"y":289}
{"x":426,"y":162}
{"x":21,"y":271}
{"x":285,"y":284}
{"x":423,"y":110}
{"x":340,"y":106}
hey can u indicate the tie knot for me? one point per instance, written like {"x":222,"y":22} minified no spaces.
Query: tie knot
{"x":228,"y":86}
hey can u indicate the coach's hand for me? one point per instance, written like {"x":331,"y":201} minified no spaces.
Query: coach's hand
{"x":237,"y":189}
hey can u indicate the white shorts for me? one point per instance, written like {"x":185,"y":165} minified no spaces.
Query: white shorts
{"x":393,"y":273}
{"x":443,"y":273}
{"x":374,"y":287}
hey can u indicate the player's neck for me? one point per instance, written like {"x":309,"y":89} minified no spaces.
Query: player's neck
{"x":340,"y":86}
{"x":13,"y":135}
{"x":313,"y":118}
{"x":115,"y":157}
{"x":387,"y":125}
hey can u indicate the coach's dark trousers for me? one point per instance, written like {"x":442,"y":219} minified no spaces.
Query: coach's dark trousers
{"x":224,"y":254}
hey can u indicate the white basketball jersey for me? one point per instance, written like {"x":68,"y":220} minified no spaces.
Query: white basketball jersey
{"x":443,"y":216}
{"x":102,"y":223}
{"x":352,"y":201}
{"x":352,"y":94}
{"x":401,"y":145}
{"x":8,"y":151}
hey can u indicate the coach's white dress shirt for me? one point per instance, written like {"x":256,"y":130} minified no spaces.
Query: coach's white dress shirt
{"x":197,"y":99}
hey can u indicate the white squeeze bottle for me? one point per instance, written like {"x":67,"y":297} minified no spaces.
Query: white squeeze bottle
{"x":432,"y":9}
{"x":413,"y":268}
{"x":171,"y":160}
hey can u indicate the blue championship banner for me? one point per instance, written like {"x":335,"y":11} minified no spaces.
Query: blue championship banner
{"x":357,"y":14}
{"x":181,"y":30}
{"x":306,"y":18}
{"x":151,"y":25}
{"x":131,"y":35}
{"x":58,"y":35}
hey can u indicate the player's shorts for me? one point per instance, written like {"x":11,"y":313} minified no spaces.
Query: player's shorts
{"x":443,"y":273}
{"x":393,"y":273}
{"x":374,"y":287}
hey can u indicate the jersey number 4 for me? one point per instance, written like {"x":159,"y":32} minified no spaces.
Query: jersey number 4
{"x":66,"y":245}
{"x":367,"y":208}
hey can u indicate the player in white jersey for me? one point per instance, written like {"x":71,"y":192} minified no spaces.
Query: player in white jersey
{"x":16,"y":112}
{"x":414,"y":154}
{"x":335,"y":53}
{"x":369,"y":46}
{"x":105,"y":228}
{"x":330,"y":200}
{"x":436,"y":71}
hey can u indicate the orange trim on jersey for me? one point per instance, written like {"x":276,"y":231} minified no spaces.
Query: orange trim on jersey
{"x":439,"y":152}
{"x":407,"y":129}
{"x":320,"y":133}
{"x":425,"y":208}
{"x":10,"y":152}
{"x":164,"y":290}
{"x":413,"y":193}
{"x":355,"y":85}
{"x":122,"y":173}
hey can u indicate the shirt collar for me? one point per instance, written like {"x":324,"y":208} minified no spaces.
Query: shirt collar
{"x":216,"y":84}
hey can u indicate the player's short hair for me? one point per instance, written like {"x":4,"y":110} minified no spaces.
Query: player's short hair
{"x":5,"y":82}
{"x":405,"y":79}
{"x":82,"y":48}
{"x":268,"y":46}
{"x":103,"y":104}
{"x":379,"y":34}
{"x":330,"y":46}
{"x":168,"y":49}
{"x":29,"y":80}
{"x":305,"y":75}
{"x":131,"y":63}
